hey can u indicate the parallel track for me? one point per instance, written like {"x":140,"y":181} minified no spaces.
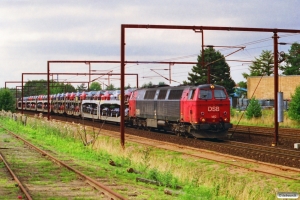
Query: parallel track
{"x":264,"y":153}
{"x":194,"y":147}
{"x":196,"y":152}
{"x":95,"y":184}
{"x":266,"y":131}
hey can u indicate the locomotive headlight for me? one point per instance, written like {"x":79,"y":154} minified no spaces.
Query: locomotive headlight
{"x":212,"y":87}
{"x":225,"y":119}
{"x":202,"y":119}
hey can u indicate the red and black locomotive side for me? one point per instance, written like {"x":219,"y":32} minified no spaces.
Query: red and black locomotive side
{"x":202,"y":111}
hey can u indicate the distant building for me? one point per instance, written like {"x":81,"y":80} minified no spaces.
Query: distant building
{"x":265,"y":89}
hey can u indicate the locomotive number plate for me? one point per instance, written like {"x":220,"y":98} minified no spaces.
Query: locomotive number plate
{"x":213,"y":108}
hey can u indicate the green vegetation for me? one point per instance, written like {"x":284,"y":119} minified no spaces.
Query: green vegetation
{"x":294,"y":106}
{"x":39,"y":87}
{"x":254,"y":116}
{"x":253,"y":109}
{"x":81,"y":87}
{"x":266,"y":119}
{"x":218,"y":68}
{"x":95,"y":86}
{"x":110,"y":87}
{"x":262,"y":66}
{"x":7,"y":101}
{"x":200,"y":179}
{"x":292,"y":61}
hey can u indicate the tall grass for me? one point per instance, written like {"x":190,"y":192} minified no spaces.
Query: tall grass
{"x":200,"y":179}
{"x":266,"y":120}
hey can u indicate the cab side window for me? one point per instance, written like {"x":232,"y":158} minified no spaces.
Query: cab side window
{"x":191,"y":94}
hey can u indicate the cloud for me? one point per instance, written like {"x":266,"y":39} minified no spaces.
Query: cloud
{"x":33,"y":31}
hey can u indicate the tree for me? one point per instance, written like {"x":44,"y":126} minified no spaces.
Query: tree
{"x":81,"y":87}
{"x":162,"y":83}
{"x":7,"y":101}
{"x":292,"y":60}
{"x":110,"y":87}
{"x":35,"y":87}
{"x":262,"y":66}
{"x":242,"y":84}
{"x":147,"y":85}
{"x":69,"y":88}
{"x":38,"y":87}
{"x":95,"y":86}
{"x":56,"y":88}
{"x":127,"y":87}
{"x":219,"y":70}
{"x":253,"y":109}
{"x":294,"y":105}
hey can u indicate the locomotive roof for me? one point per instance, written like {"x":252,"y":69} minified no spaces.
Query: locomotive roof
{"x":208,"y":86}
{"x":203,"y":86}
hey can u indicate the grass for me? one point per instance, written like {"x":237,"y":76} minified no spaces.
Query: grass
{"x":200,"y":179}
{"x":266,"y":120}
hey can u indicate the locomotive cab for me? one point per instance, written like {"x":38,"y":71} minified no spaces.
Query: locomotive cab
{"x":207,"y":108}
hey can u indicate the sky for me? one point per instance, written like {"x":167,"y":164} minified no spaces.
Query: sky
{"x":33,"y":32}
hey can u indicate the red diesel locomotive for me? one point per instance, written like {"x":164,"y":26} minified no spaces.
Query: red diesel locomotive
{"x":201,"y":111}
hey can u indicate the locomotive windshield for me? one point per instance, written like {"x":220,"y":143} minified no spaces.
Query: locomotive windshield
{"x":219,"y":94}
{"x":207,"y":94}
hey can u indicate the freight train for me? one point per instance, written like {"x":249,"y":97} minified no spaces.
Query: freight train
{"x":201,"y":111}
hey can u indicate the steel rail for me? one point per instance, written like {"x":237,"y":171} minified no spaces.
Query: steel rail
{"x":107,"y":191}
{"x":265,"y":131}
{"x":156,"y":142}
{"x":20,"y":184}
{"x":286,"y":152}
{"x":284,"y":168}
{"x":223,"y":162}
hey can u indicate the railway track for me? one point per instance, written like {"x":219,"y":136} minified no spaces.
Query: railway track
{"x":34,"y":173}
{"x":266,"y":131}
{"x":257,"y":155}
{"x":270,"y":169}
{"x":261,"y":153}
{"x":248,"y":149}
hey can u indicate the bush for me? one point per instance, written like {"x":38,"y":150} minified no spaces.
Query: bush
{"x":232,"y":112}
{"x":294,"y":105}
{"x":253,"y":109}
{"x":7,"y":101}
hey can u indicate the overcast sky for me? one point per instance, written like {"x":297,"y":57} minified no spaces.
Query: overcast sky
{"x":33,"y":32}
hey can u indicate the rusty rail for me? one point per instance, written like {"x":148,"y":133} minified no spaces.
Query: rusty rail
{"x":20,"y":184}
{"x":107,"y":191}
